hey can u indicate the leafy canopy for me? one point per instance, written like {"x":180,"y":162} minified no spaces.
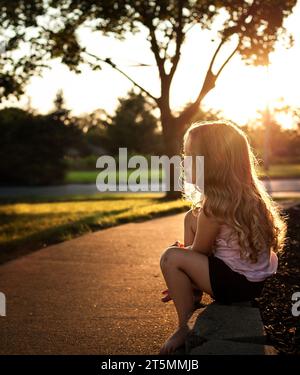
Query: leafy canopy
{"x":34,"y":31}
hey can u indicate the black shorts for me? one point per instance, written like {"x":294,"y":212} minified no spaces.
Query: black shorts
{"x":229,"y":286}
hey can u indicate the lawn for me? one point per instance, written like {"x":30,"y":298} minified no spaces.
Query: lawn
{"x":282,"y":170}
{"x":276,"y":171}
{"x":32,"y":225}
{"x":27,"y":225}
{"x":86,"y":177}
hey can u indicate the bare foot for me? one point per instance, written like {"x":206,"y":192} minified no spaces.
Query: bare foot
{"x":176,"y":340}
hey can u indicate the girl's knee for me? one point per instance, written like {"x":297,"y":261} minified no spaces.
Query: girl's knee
{"x":169,"y":257}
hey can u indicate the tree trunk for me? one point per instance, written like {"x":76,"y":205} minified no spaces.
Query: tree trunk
{"x":173,"y":139}
{"x":174,"y":127}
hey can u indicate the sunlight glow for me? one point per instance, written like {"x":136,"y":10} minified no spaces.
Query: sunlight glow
{"x":240,"y":91}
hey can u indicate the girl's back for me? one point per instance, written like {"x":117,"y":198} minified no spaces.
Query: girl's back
{"x":227,"y":248}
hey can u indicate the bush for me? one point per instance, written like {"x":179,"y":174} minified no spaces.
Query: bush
{"x":134,"y":127}
{"x":85,"y":163}
{"x":32,"y":148}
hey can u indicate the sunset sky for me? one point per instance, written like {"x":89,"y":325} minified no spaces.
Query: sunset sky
{"x":241,"y":90}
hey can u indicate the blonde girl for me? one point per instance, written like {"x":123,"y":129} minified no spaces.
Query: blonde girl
{"x":231,"y":236}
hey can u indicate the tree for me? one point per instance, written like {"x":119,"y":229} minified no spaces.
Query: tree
{"x":18,"y":62}
{"x":94,"y":127}
{"x":59,"y":101}
{"x":134,"y":127}
{"x":32,"y":148}
{"x":283,"y":145}
{"x":256,"y":25}
{"x":207,"y":114}
{"x":60,"y":110}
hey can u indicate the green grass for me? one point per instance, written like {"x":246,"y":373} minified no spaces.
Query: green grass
{"x":33,"y":224}
{"x":86,"y":177}
{"x":282,"y":170}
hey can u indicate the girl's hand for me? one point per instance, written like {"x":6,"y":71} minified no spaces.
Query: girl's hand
{"x":178,"y":243}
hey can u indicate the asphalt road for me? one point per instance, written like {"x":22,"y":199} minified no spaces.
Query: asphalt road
{"x":97,"y":294}
{"x":274,"y":186}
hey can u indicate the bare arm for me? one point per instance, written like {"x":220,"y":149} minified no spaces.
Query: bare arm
{"x":206,"y":233}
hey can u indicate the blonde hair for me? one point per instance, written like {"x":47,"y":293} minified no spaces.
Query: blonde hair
{"x":232,"y":191}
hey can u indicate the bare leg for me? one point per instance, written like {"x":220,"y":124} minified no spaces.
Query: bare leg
{"x":196,"y":292}
{"x":178,"y":268}
{"x":190,"y":227}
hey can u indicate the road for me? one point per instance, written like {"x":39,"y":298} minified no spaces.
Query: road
{"x":275,"y":187}
{"x":97,"y":294}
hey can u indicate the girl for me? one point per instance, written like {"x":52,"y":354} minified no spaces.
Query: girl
{"x":231,"y":235}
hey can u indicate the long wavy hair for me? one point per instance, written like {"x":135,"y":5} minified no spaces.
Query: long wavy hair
{"x":232,"y":191}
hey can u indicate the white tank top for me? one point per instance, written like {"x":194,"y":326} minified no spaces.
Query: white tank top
{"x":228,"y":250}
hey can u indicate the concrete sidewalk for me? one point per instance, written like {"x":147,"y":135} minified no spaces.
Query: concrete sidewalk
{"x":97,"y":294}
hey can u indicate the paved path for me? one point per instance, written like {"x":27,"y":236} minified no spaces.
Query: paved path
{"x":276,"y":186}
{"x":97,"y":294}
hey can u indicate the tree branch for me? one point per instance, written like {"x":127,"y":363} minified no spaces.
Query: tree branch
{"x":239,"y":25}
{"x":155,"y":49}
{"x":179,"y":40}
{"x":216,"y":54}
{"x":208,"y":84}
{"x":148,"y":22}
{"x":210,"y":78}
{"x":114,"y":66}
{"x":227,"y":60}
{"x":168,"y":36}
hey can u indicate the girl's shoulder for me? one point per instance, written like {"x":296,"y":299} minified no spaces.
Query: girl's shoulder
{"x":209,"y":219}
{"x":224,"y":228}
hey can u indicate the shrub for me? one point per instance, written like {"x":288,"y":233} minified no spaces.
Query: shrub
{"x":32,"y":148}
